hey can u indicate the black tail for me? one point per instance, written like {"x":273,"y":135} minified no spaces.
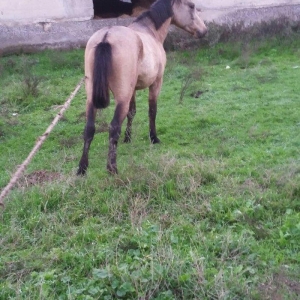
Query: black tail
{"x":102,"y":69}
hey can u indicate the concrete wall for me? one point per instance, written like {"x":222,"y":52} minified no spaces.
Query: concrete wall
{"x":221,"y":4}
{"x":44,"y":31}
{"x":217,"y":10}
{"x":14,"y":12}
{"x":33,"y":11}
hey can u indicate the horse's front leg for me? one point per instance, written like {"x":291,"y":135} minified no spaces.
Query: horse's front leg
{"x":89,"y":132}
{"x":114,"y":133}
{"x":154,"y":91}
{"x":130,"y":116}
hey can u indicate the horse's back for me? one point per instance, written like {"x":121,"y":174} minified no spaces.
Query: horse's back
{"x":119,"y":36}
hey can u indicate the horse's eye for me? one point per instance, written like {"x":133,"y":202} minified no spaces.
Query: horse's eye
{"x":191,"y":5}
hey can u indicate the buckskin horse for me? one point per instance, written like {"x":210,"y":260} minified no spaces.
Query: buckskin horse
{"x":125,"y":59}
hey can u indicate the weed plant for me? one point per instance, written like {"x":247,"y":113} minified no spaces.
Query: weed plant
{"x":213,"y":212}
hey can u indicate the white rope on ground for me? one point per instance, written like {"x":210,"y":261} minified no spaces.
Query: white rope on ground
{"x":38,"y":144}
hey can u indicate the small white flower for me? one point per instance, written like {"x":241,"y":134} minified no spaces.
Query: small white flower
{"x":227,"y":67}
{"x":14,"y":114}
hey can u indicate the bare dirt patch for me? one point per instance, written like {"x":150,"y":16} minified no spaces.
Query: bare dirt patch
{"x":281,"y":286}
{"x":38,"y":178}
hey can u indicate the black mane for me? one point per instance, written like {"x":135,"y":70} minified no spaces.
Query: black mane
{"x":158,"y":13}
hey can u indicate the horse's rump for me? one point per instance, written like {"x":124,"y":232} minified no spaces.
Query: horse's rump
{"x":112,"y":60}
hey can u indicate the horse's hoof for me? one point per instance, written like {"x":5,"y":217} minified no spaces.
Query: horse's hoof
{"x":81,"y":172}
{"x":155,"y":140}
{"x":127,"y":140}
{"x":112,"y":169}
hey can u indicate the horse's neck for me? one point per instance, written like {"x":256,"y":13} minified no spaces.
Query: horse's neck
{"x":163,"y":31}
{"x":159,"y":34}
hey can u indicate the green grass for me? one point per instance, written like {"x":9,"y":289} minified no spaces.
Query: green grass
{"x":213,"y":212}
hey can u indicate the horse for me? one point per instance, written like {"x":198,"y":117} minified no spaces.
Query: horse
{"x":125,"y":59}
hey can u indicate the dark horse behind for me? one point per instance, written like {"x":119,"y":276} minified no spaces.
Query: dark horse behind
{"x":125,"y":59}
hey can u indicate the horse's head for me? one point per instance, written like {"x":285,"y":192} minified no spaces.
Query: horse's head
{"x":186,"y":16}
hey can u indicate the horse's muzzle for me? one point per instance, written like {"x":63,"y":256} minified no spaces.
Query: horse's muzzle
{"x":202,"y":33}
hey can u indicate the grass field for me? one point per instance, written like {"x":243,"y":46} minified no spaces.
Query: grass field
{"x":213,"y":212}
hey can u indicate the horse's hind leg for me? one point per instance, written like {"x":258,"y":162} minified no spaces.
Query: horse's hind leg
{"x":154,"y":90}
{"x":130,"y":116}
{"x":89,"y":132}
{"x":114,"y":133}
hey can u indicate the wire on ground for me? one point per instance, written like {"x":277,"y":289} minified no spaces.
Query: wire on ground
{"x":38,"y":144}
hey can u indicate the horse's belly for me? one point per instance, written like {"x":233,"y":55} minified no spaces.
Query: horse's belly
{"x":144,"y":82}
{"x":150,"y":70}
